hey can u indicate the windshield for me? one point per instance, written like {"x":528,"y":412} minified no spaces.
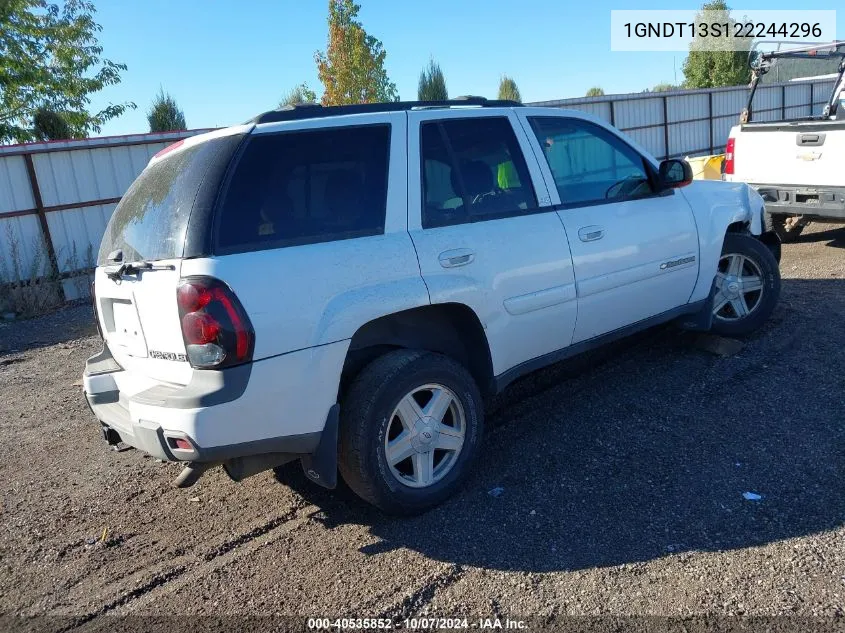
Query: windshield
{"x":782,"y":70}
{"x":150,"y":221}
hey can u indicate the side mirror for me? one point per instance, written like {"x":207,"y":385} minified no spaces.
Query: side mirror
{"x":674,"y":173}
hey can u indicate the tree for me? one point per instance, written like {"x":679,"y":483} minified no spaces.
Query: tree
{"x":164,"y":114}
{"x":352,"y":67}
{"x":50,"y":58}
{"x":595,"y":91}
{"x":664,"y":87}
{"x":711,"y":63}
{"x":432,"y":86}
{"x":508,"y":89}
{"x":48,"y":125}
{"x":298,"y":95}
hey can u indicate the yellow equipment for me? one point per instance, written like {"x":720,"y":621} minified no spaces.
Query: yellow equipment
{"x":706,"y":167}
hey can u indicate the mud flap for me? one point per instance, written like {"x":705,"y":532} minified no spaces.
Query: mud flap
{"x":702,"y":320}
{"x":321,"y":466}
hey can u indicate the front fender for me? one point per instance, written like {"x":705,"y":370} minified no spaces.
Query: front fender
{"x":716,"y":205}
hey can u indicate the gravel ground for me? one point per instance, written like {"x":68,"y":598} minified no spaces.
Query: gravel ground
{"x":621,"y":474}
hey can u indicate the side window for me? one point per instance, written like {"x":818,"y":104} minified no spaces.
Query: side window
{"x":305,"y":187}
{"x":473,"y":169}
{"x":590,"y":164}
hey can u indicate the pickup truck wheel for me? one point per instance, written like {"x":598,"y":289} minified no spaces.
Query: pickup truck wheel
{"x":410,"y":427}
{"x":788,"y":228}
{"x":747,"y":286}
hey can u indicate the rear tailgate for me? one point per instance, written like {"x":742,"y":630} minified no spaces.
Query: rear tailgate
{"x":807,"y":153}
{"x":139,"y":318}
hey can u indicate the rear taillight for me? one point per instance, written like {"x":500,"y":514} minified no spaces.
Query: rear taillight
{"x":215,"y":327}
{"x":730,"y":156}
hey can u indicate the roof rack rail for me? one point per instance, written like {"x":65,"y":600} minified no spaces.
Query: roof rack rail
{"x":315,"y":110}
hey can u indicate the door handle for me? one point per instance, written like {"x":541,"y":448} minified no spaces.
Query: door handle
{"x":805,"y":140}
{"x":590,"y":233}
{"x":456,"y":257}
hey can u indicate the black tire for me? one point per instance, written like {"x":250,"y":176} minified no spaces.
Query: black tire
{"x":364,"y":421}
{"x":786,"y":232}
{"x":761,"y":256}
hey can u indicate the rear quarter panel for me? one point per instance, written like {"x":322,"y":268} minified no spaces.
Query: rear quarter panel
{"x":299,"y":297}
{"x":305,"y":296}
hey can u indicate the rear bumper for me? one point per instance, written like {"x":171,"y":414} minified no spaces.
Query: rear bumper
{"x":222,"y":415}
{"x":153,"y":439}
{"x":811,"y":202}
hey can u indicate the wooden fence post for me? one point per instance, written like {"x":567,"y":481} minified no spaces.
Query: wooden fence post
{"x":42,"y":219}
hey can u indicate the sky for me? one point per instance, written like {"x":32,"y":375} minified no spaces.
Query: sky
{"x":225,"y":61}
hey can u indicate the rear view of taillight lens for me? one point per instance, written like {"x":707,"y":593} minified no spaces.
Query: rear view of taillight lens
{"x":215,"y":327}
{"x":730,"y":157}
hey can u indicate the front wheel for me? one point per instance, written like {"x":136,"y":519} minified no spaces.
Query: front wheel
{"x":747,"y":286}
{"x":411,"y":423}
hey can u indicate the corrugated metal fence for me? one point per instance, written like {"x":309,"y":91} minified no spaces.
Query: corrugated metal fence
{"x":681,"y":123}
{"x":56,"y":198}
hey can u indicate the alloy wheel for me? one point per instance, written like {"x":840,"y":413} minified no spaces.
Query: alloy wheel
{"x":739,"y":284}
{"x":425,"y":435}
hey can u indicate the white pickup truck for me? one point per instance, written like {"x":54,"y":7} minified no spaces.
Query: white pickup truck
{"x":797,"y":166}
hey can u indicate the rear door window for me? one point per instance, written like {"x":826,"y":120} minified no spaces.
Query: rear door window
{"x":473,"y":170}
{"x":305,"y":187}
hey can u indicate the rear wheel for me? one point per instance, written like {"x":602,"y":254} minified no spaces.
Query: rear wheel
{"x":788,"y":227}
{"x":410,"y":427}
{"x":747,"y":286}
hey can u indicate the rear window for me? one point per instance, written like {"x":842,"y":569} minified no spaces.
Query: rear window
{"x":151,"y":219}
{"x":305,"y":187}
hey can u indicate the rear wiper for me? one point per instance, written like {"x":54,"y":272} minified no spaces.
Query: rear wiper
{"x":133,"y":268}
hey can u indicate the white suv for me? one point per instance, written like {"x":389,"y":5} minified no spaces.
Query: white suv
{"x":347,"y":285}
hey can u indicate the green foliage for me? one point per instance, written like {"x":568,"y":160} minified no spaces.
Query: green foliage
{"x":299,"y":94}
{"x":432,"y":86}
{"x":595,"y":91}
{"x":508,"y":89}
{"x":164,"y":114}
{"x":48,"y":125}
{"x":36,"y":288}
{"x":352,"y":67}
{"x":710,"y":63}
{"x":50,"y":58}
{"x":665,"y":87}
{"x":27,"y":290}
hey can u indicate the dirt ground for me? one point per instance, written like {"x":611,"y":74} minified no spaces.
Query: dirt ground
{"x":621,"y":480}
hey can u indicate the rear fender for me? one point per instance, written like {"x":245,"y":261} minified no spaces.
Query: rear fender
{"x":347,"y":312}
